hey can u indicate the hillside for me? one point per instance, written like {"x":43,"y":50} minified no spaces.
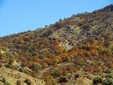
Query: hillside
{"x":12,"y":77}
{"x":79,"y":48}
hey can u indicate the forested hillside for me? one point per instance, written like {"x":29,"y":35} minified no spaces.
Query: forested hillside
{"x":65,"y":51}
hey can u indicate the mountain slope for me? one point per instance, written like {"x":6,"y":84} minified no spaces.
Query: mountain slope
{"x":59,"y":51}
{"x":108,"y":8}
{"x":12,"y":77}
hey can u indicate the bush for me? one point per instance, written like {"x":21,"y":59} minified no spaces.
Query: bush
{"x":20,"y":82}
{"x":107,"y":81}
{"x":28,"y":82}
{"x":107,"y":71}
{"x":35,"y":67}
{"x":21,"y":69}
{"x":5,"y":81}
{"x":97,"y":80}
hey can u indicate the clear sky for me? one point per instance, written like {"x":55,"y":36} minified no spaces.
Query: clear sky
{"x":22,"y":15}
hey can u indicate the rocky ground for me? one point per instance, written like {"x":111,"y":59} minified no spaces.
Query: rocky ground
{"x":12,"y":77}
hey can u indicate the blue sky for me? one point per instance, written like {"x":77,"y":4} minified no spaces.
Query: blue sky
{"x":22,"y":15}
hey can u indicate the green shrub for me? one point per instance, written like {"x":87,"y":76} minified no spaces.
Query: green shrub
{"x":97,"y":80}
{"x":107,"y":81}
{"x":28,"y":82}
{"x":5,"y":81}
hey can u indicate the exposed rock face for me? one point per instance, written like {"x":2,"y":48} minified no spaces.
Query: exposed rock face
{"x":68,"y":36}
